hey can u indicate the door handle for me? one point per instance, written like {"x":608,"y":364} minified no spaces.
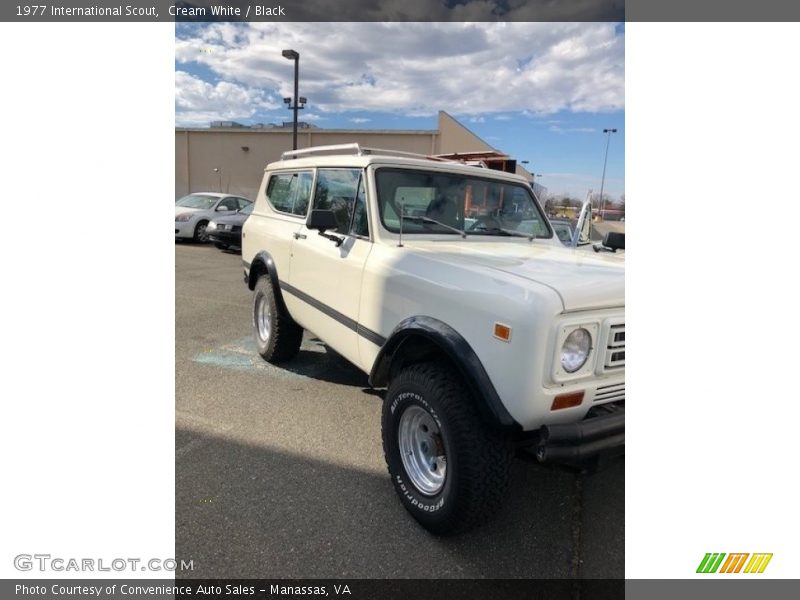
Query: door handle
{"x":300,"y":236}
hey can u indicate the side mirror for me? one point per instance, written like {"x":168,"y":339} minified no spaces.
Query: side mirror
{"x":322,"y":220}
{"x":614,"y":240}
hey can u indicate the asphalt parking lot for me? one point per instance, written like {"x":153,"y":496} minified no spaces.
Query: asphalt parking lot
{"x":279,"y":471}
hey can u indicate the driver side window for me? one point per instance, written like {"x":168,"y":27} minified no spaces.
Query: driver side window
{"x":229,"y":203}
{"x":336,"y":190}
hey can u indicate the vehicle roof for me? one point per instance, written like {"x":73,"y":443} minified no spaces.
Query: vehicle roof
{"x":215,"y":194}
{"x":363,"y":161}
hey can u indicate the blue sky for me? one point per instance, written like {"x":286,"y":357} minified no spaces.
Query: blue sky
{"x":542,"y":92}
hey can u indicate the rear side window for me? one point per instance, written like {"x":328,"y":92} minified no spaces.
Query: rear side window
{"x":290,"y":192}
{"x":336,"y":190}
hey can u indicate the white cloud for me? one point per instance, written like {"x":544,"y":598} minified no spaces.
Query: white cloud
{"x":414,"y":69}
{"x":198,"y":101}
{"x":359,"y":120}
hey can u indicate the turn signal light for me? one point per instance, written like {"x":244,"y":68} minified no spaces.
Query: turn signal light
{"x":502,"y":332}
{"x":567,"y":400}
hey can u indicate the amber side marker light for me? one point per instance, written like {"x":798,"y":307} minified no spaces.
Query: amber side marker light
{"x":502,"y":332}
{"x":567,"y":400}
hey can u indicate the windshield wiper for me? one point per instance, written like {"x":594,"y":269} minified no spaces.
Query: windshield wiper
{"x":510,"y":232}
{"x":460,"y":232}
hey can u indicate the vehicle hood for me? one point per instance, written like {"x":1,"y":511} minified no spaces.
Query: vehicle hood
{"x":583,"y":279}
{"x":183,"y":209}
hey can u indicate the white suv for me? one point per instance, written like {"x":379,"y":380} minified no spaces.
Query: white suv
{"x":444,"y":282}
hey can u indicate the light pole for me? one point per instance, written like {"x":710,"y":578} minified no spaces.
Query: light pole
{"x":608,"y":132}
{"x":295,"y":56}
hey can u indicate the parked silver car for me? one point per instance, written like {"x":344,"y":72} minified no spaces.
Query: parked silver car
{"x":193,"y":212}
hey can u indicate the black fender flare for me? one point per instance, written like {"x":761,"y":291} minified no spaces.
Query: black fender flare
{"x":460,"y":353}
{"x":263,"y":261}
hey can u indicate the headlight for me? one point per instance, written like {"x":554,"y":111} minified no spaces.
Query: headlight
{"x":183,"y":217}
{"x":211,"y":226}
{"x":575,"y":350}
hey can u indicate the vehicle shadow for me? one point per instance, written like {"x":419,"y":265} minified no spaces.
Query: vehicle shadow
{"x":317,"y":360}
{"x":244,"y":510}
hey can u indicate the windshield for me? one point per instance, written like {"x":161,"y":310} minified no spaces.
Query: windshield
{"x":449,"y":203}
{"x":197,"y":201}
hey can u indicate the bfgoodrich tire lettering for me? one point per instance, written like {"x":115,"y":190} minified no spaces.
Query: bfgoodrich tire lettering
{"x":276,"y":335}
{"x":477,"y":457}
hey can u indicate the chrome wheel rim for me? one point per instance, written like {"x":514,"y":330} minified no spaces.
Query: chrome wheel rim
{"x":263,"y":324}
{"x":422,"y":450}
{"x":202,"y":235}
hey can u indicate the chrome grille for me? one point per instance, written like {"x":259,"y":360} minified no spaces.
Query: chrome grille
{"x":610,"y":393}
{"x":615,"y":348}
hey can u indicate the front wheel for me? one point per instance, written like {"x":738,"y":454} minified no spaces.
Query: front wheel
{"x":277,"y":336}
{"x":201,"y":233}
{"x":449,"y":468}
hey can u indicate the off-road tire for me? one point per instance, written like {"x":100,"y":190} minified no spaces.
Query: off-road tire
{"x":284,"y":335}
{"x":478,"y":457}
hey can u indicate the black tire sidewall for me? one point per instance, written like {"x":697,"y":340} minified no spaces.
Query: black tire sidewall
{"x":430,"y":510}
{"x":197,"y":236}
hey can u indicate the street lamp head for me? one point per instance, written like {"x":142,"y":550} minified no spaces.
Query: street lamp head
{"x":290,"y":54}
{"x":287,"y":100}
{"x":302,"y":100}
{"x":609,"y":131}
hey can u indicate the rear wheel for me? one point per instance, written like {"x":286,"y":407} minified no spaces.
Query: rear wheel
{"x":277,"y":336}
{"x":449,"y":468}
{"x":200,"y":233}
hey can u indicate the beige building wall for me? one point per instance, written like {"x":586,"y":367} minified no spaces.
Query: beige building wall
{"x":240,"y":155}
{"x":455,"y":137}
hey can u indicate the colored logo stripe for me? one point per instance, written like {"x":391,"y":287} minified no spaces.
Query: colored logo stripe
{"x":710,"y":563}
{"x":758,"y":563}
{"x":733,"y":564}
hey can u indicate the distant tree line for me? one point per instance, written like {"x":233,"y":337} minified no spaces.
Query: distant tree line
{"x":556,"y":201}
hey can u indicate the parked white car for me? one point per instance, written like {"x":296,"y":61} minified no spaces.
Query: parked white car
{"x":445,"y":283}
{"x":193,"y":212}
